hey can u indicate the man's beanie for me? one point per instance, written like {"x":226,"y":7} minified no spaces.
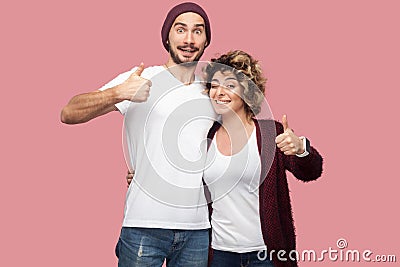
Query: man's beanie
{"x":180,"y":9}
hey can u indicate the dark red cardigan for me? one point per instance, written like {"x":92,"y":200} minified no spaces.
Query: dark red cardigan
{"x":275,"y":208}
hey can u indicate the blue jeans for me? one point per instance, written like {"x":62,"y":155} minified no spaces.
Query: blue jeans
{"x":139,"y":247}
{"x":232,"y":259}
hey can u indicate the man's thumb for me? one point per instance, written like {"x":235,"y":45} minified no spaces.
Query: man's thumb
{"x":139,"y":70}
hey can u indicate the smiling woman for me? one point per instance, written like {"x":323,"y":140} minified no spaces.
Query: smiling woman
{"x":237,"y":72}
{"x":226,"y":92}
{"x":246,"y":173}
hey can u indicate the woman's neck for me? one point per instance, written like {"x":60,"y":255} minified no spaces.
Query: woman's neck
{"x":234,"y":133}
{"x":236,"y":121}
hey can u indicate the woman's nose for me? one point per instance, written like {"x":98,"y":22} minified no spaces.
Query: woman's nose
{"x":220,"y":90}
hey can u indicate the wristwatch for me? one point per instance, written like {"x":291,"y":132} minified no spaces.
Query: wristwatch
{"x":306,"y":145}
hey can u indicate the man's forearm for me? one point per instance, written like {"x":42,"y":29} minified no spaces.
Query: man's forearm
{"x":84,"y":107}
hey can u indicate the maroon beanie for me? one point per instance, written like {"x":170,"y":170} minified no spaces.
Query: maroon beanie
{"x":180,"y":9}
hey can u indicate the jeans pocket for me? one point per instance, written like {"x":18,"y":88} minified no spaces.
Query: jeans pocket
{"x":117,"y":248}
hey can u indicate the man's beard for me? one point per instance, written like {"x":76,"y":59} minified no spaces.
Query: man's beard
{"x":178,"y":61}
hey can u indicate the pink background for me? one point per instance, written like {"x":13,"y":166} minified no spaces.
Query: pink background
{"x":333,"y":67}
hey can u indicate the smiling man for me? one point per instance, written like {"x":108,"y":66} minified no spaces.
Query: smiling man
{"x":185,"y":44}
{"x":166,"y":120}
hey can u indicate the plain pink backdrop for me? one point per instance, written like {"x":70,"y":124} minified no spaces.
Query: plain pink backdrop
{"x":333,"y":68}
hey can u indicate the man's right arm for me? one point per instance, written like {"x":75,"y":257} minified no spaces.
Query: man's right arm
{"x":84,"y":107}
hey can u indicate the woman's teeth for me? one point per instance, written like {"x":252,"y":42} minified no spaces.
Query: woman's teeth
{"x":222,"y":101}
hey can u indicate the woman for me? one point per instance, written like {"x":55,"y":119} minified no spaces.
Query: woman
{"x":245,"y":174}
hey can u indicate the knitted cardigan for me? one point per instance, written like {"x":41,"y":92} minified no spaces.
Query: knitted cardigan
{"x":274,"y":201}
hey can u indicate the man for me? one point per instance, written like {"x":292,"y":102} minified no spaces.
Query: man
{"x":165,"y":127}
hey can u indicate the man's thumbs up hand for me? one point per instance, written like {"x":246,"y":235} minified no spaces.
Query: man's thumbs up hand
{"x":135,"y":88}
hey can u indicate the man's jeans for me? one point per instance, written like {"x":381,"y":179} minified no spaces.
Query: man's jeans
{"x":139,"y":247}
{"x":232,"y":259}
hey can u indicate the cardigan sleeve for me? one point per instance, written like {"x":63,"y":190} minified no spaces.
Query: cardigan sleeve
{"x":306,"y":168}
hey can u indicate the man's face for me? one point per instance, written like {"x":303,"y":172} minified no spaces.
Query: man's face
{"x":187,"y":38}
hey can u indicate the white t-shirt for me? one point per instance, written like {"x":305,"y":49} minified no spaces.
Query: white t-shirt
{"x":233,"y":182}
{"x":166,"y":145}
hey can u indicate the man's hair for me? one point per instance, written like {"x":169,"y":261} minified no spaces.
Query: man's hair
{"x":180,"y":9}
{"x":247,"y":71}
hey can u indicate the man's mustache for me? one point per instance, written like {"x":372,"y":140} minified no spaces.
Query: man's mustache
{"x":192,"y":47}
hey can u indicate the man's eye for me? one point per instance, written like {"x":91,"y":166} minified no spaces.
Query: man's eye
{"x":180,"y":30}
{"x":197,"y":31}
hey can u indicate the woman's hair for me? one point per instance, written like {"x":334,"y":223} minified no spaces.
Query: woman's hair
{"x":247,"y":71}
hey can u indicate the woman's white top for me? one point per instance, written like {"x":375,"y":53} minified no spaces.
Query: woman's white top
{"x":233,"y":182}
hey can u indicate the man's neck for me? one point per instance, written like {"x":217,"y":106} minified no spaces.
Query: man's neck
{"x":182,"y":72}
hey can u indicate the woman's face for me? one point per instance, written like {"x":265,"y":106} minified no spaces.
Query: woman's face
{"x":226,"y":93}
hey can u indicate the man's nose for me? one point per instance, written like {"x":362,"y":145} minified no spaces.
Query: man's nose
{"x":189,"y":38}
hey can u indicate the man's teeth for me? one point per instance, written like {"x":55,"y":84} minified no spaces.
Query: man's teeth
{"x":222,"y":101}
{"x":188,"y":50}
